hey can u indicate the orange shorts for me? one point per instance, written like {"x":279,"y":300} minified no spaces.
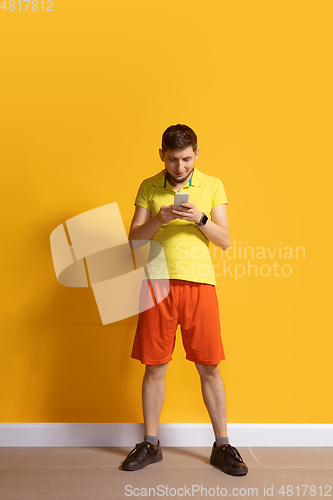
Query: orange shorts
{"x":192,"y":305}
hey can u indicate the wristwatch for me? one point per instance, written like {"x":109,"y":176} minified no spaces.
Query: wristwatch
{"x":203,"y":220}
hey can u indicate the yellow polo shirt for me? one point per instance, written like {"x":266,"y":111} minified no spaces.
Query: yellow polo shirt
{"x":186,"y":248}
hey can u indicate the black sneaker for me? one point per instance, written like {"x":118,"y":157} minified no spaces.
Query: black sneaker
{"x":142,"y":455}
{"x":228,"y":459}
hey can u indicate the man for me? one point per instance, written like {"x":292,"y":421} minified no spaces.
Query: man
{"x":184,"y":232}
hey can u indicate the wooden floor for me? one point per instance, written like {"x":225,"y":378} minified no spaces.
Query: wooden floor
{"x":58,"y":473}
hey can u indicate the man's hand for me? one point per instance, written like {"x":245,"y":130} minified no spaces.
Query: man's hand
{"x":188,"y":212}
{"x":165,"y":214}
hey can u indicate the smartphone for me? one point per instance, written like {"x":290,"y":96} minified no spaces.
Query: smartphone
{"x":181,"y":198}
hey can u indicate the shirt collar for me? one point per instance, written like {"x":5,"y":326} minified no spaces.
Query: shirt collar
{"x":159,"y":180}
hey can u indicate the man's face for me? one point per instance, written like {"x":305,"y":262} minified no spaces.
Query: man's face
{"x":179,"y":163}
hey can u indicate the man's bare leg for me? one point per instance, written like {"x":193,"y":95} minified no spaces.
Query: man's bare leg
{"x":153,"y":393}
{"x":214,"y":397}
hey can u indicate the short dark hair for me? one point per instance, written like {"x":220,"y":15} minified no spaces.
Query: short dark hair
{"x":179,"y":137}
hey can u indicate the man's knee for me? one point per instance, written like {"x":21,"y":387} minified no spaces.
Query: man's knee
{"x":208,"y":371}
{"x":156,"y":370}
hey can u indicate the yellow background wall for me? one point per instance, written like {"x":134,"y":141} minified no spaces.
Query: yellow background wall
{"x":85,"y":94}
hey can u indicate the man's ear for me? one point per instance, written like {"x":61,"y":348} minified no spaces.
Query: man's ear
{"x":161,"y":154}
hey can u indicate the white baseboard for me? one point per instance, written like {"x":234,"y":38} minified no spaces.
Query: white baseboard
{"x":119,"y":434}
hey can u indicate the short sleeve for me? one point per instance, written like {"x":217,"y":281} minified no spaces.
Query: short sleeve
{"x":142,"y":197}
{"x":219,"y":196}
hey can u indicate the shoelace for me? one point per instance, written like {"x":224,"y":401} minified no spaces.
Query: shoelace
{"x":233,"y":452}
{"x":138,"y":447}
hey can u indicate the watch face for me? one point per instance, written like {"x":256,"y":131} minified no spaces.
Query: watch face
{"x":204,"y":219}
